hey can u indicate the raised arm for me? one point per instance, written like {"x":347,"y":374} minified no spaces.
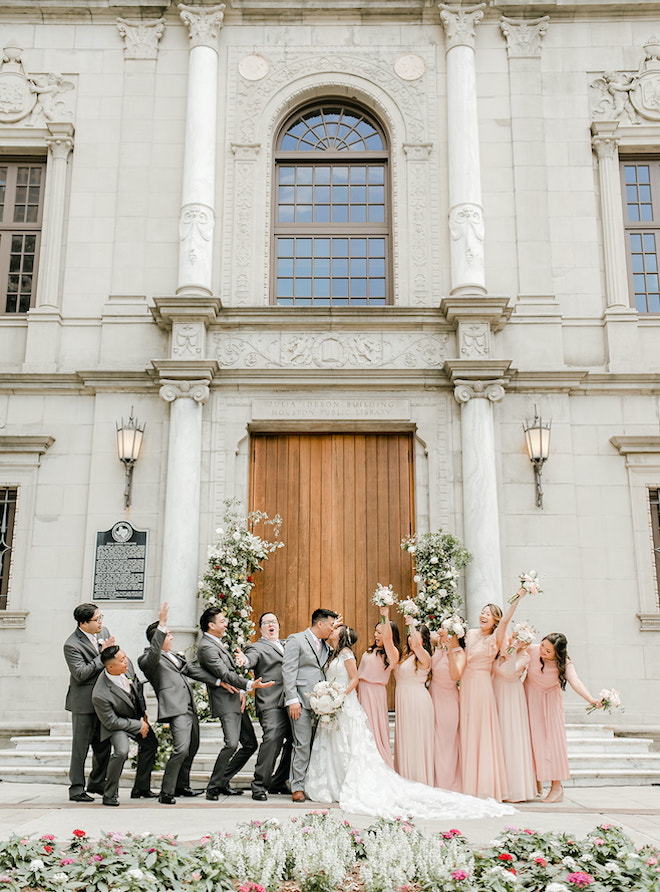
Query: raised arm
{"x":388,"y":641}
{"x":423,"y":656}
{"x":500,"y":631}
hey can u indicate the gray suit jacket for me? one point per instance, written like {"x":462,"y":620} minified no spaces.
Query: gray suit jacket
{"x":302,"y":667}
{"x":219,"y":663}
{"x":85,"y":665}
{"x":265,"y":660}
{"x":115,"y":708}
{"x":174,"y":693}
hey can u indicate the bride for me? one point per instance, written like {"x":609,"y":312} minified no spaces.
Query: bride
{"x":346,"y":767}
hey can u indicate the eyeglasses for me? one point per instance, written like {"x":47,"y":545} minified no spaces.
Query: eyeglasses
{"x":270,"y":622}
{"x":97,"y":618}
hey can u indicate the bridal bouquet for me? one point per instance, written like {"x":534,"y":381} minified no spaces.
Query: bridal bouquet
{"x":325,"y":700}
{"x":383,"y":597}
{"x":523,"y":633}
{"x":408,"y":608}
{"x":454,"y":626}
{"x":609,"y":700}
{"x":530,"y":582}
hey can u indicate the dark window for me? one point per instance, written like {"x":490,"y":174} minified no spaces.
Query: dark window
{"x":640,"y":181}
{"x":7,"y":513}
{"x":331,"y":214}
{"x":21,"y":207}
{"x":654,"y":499}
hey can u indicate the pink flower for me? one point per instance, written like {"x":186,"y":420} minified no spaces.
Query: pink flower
{"x":66,"y":861}
{"x":505,"y":857}
{"x":79,"y":833}
{"x":509,"y":828}
{"x":528,"y":832}
{"x":541,"y":862}
{"x":455,"y":832}
{"x":651,"y":862}
{"x":98,"y":858}
{"x":605,"y":826}
{"x":49,"y":837}
{"x":195,"y":875}
{"x":459,"y":875}
{"x":598,"y":841}
{"x":580,"y":879}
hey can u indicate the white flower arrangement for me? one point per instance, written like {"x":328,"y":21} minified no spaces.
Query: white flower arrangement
{"x":408,"y":607}
{"x":455,"y":626}
{"x":530,"y":582}
{"x":438,"y":559}
{"x":383,"y":596}
{"x":325,"y":700}
{"x":522,"y":633}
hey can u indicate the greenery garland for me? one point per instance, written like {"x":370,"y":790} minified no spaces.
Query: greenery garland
{"x":438,"y":559}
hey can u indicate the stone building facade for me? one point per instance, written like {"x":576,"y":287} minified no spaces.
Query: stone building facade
{"x":294,"y":219}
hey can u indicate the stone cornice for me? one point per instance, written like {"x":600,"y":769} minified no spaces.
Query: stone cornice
{"x":646,"y":443}
{"x":29,"y":444}
{"x":185,"y":308}
{"x":477,"y":370}
{"x":333,"y":319}
{"x":494,"y":309}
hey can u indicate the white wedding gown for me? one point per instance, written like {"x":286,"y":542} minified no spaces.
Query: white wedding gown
{"x":346,"y":767}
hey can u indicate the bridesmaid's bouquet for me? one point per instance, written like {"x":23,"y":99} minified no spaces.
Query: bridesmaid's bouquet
{"x":609,"y":700}
{"x":454,"y":626}
{"x":522,"y":633}
{"x":530,"y":582}
{"x":325,"y":700}
{"x":383,"y":597}
{"x":409,"y":608}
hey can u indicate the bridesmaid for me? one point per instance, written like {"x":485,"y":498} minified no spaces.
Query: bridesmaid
{"x":508,"y":673}
{"x":376,"y":665}
{"x":413,"y":727}
{"x":549,"y":670}
{"x":482,"y":756}
{"x":446,"y":671}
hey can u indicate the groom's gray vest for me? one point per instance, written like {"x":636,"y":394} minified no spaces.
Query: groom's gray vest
{"x":302,"y":666}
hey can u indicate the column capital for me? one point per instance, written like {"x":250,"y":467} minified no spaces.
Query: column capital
{"x":190,"y":379}
{"x":523,"y":37}
{"x":467,"y":390}
{"x":60,"y":140}
{"x":604,"y":139}
{"x":194,"y":390}
{"x":141,"y":38}
{"x":417,"y":151}
{"x":460,"y":23}
{"x":203,"y":23}
{"x":478,"y":379}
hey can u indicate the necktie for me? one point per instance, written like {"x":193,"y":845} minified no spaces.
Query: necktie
{"x":318,"y":645}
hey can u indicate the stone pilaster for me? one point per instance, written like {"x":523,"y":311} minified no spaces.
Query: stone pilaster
{"x":141,"y":38}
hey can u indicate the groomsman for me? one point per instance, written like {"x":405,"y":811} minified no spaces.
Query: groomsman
{"x":176,"y":705}
{"x":305,"y":655}
{"x":227,"y":703}
{"x":82,"y":652}
{"x":264,"y":656}
{"x":120,"y":706}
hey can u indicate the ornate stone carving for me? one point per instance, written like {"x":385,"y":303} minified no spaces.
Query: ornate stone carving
{"x":141,"y":38}
{"x":645,"y":93}
{"x":490,"y":390}
{"x":418,"y":191}
{"x":203,"y":23}
{"x":245,"y":157}
{"x":474,"y":340}
{"x":196,"y":223}
{"x":410,"y":67}
{"x":60,"y":146}
{"x":188,"y":340}
{"x":523,"y":38}
{"x":253,"y":67}
{"x":329,"y":350}
{"x":605,"y":146}
{"x":466,"y":228}
{"x":32,"y":100}
{"x":193,"y":390}
{"x":610,"y":96}
{"x":626,"y":96}
{"x":460,"y":24}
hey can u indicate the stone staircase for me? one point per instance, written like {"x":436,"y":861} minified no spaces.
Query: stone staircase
{"x":597,"y":757}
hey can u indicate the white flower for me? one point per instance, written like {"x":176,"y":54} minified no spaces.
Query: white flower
{"x":135,"y":873}
{"x":587,"y":857}
{"x":434,"y":559}
{"x":244,"y":613}
{"x":37,"y":864}
{"x":556,"y":887}
{"x":59,"y":877}
{"x":216,"y":856}
{"x":611,"y":867}
{"x":411,"y":549}
{"x":236,"y":537}
{"x":417,"y":578}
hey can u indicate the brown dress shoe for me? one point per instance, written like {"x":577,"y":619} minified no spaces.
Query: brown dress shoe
{"x":298,"y":796}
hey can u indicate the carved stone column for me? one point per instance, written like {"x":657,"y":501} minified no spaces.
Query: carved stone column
{"x":417,"y":162}
{"x":481,"y":530}
{"x":197,"y":216}
{"x":466,"y":219}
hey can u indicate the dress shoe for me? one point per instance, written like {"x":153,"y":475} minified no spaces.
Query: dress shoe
{"x":166,"y":799}
{"x":213,"y":795}
{"x":97,"y":790}
{"x":187,"y":792}
{"x":81,"y":797}
{"x":229,"y":791}
{"x":110,"y":801}
{"x":298,"y":796}
{"x":142,"y":794}
{"x":259,"y":795}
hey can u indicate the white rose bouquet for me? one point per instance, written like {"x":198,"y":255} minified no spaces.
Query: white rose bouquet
{"x":383,"y":597}
{"x":325,"y":700}
{"x":409,"y":608}
{"x":454,"y":625}
{"x":609,"y":700}
{"x":522,"y":633}
{"x":530,"y":582}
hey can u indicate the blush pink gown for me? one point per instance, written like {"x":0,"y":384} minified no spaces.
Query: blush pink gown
{"x":482,"y":756}
{"x":413,"y":728}
{"x":447,"y":742}
{"x":372,"y":694}
{"x":545,"y":702}
{"x":514,"y":725}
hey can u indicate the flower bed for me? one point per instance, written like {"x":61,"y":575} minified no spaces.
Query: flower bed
{"x":317,"y":853}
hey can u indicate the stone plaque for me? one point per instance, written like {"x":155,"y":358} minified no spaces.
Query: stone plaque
{"x":120,"y":563}
{"x":330,"y":408}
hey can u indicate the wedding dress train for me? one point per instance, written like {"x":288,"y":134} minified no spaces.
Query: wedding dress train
{"x":346,"y":767}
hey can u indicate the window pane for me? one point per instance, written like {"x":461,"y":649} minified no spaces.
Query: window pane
{"x":7,"y":512}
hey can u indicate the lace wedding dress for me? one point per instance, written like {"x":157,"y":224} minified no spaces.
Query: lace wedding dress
{"x":346,"y":767}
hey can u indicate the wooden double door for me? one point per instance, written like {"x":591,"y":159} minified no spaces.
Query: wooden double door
{"x":346,"y":500}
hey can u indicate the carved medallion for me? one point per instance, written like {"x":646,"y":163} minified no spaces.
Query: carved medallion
{"x":253,"y":67}
{"x":410,"y":67}
{"x":16,"y":97}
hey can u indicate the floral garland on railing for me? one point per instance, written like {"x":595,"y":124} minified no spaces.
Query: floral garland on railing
{"x":316,"y":852}
{"x":438,"y":559}
{"x":232,"y":563}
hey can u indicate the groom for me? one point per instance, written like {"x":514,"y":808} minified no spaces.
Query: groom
{"x":305,"y":655}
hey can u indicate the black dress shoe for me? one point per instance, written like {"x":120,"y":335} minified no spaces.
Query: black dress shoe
{"x":97,"y":790}
{"x":188,"y":791}
{"x":81,"y":797}
{"x":110,"y":801}
{"x":259,"y":795}
{"x":229,"y":791}
{"x":212,"y":795}
{"x":142,"y":794}
{"x":166,"y":799}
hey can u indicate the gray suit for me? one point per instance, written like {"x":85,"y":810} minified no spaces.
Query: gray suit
{"x":265,"y":659}
{"x":236,"y":726}
{"x":85,"y":666}
{"x":176,"y":706}
{"x":120,"y":714}
{"x":302,"y":668}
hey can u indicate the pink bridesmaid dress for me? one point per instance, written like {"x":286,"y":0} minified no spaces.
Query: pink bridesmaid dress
{"x":482,"y":756}
{"x":447,"y":742}
{"x":413,"y":727}
{"x":514,"y":725}
{"x":372,"y":694}
{"x":545,"y":702}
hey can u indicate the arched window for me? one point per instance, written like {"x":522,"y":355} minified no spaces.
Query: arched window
{"x":332,"y":216}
